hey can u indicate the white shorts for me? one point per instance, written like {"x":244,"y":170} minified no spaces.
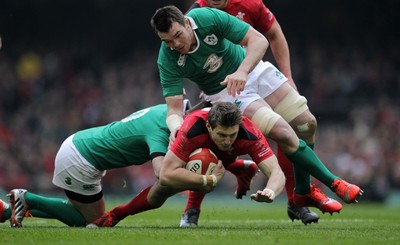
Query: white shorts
{"x":74,"y":173}
{"x":261,"y":82}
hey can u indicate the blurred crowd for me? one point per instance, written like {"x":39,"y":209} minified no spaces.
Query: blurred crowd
{"x":50,"y":92}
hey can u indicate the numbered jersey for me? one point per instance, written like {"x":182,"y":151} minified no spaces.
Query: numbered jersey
{"x":134,"y":140}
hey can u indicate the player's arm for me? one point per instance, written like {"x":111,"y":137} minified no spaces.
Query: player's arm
{"x":174,"y":115}
{"x":256,"y":46}
{"x":276,"y":180}
{"x":280,"y":50}
{"x":174,"y":174}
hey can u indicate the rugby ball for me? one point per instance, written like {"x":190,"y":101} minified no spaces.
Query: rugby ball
{"x":202,"y":161}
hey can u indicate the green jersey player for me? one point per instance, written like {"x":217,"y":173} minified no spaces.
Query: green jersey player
{"x":82,"y":161}
{"x":206,"y":46}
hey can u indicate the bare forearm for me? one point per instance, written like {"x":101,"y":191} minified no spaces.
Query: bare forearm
{"x":183,"y":179}
{"x":276,"y":182}
{"x":256,"y":46}
{"x":174,"y":115}
{"x":254,"y":53}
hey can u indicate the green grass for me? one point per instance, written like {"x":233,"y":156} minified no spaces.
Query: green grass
{"x":223,"y":221}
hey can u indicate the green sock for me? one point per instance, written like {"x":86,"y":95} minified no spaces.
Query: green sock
{"x":54,"y":208}
{"x":302,"y":179}
{"x":304,"y":158}
{"x":35,"y":213}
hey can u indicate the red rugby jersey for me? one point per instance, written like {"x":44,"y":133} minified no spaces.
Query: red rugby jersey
{"x":193,"y":134}
{"x":254,"y":12}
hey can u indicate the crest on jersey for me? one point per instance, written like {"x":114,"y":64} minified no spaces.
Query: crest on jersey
{"x":212,"y":63}
{"x":240,"y":15}
{"x":182,"y":60}
{"x":211,"y":39}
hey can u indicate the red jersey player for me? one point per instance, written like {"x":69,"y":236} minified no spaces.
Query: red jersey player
{"x":228,"y":134}
{"x":255,"y":13}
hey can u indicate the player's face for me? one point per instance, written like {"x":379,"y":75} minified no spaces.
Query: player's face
{"x":223,"y":137}
{"x":219,"y":4}
{"x":179,"y":38}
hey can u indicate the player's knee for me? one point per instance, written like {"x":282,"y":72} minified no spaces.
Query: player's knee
{"x":284,"y":135}
{"x":292,"y":107}
{"x":305,"y":125}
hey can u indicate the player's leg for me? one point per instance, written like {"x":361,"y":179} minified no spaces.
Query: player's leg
{"x":271,"y":85}
{"x":151,"y":197}
{"x":191,"y":213}
{"x":244,"y":170}
{"x":303,"y":158}
{"x":24,"y":203}
{"x":293,"y":108}
{"x":80,"y":180}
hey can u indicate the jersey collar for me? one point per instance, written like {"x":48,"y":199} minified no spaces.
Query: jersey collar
{"x":194,"y":27}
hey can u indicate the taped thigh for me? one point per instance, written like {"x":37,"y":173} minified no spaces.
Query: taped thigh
{"x":291,"y":106}
{"x":265,"y":118}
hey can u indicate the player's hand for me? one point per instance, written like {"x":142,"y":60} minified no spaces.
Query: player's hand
{"x":172,"y":136}
{"x":219,"y":170}
{"x":235,"y":82}
{"x":266,"y":195}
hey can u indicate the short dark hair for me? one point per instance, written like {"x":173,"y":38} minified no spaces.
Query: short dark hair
{"x":164,"y":17}
{"x":225,"y":114}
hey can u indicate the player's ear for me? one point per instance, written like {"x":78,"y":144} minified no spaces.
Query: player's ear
{"x":187,"y":23}
{"x":208,"y":126}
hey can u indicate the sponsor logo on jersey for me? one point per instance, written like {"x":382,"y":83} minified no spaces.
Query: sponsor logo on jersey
{"x":240,"y":15}
{"x":279,"y":74}
{"x":88,"y":187}
{"x":211,"y":39}
{"x":238,"y":102}
{"x":264,"y":152}
{"x":182,"y":60}
{"x":213,"y":63}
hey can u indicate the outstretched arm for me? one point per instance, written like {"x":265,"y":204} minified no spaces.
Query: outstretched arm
{"x":276,"y":180}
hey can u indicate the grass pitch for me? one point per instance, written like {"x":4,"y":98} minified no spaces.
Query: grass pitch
{"x":222,"y":221}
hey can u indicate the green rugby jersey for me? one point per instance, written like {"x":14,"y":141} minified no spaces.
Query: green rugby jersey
{"x":130,"y":141}
{"x":218,"y":53}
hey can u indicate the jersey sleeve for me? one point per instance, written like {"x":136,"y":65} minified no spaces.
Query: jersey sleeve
{"x":263,"y":18}
{"x":184,"y":145}
{"x":170,"y":77}
{"x":225,"y":24}
{"x":158,"y":142}
{"x":233,"y":28}
{"x":259,"y":149}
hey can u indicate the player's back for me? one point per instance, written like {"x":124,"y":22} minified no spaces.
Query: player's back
{"x":125,"y":142}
